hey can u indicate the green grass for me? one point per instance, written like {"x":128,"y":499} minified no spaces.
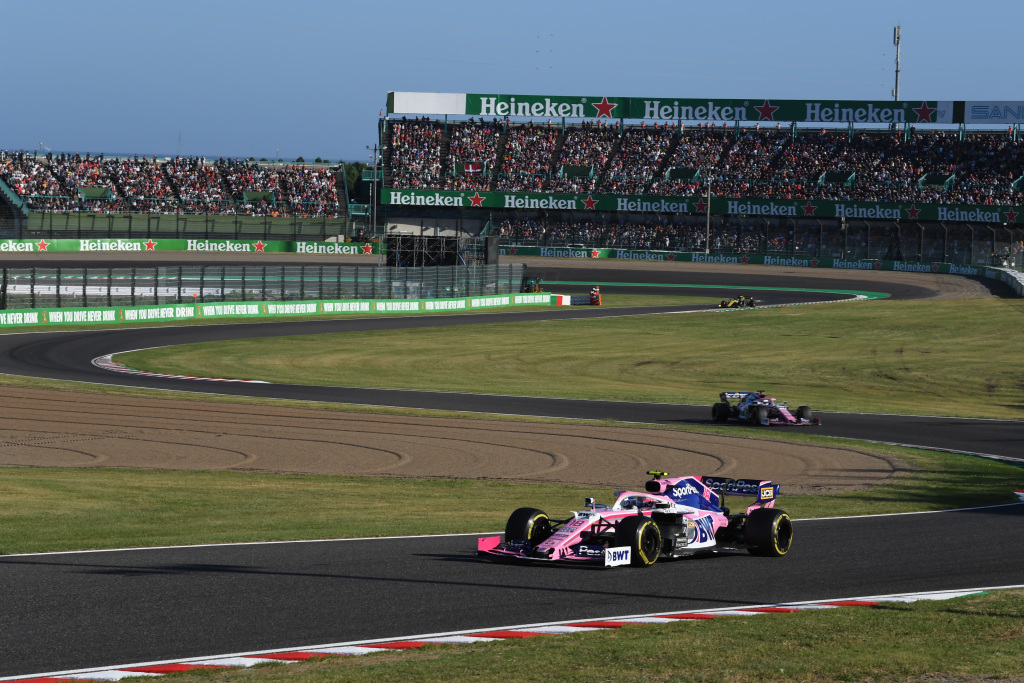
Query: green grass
{"x":53,"y":509}
{"x":962,"y":639}
{"x":942,"y":358}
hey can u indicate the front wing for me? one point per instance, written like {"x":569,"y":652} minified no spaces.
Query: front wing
{"x":492,"y":547}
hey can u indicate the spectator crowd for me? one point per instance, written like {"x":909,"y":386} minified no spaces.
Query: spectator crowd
{"x":192,"y":185}
{"x":929,"y":166}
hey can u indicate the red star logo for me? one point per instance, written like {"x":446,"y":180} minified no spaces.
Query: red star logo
{"x":1011,"y":216}
{"x":878,"y":265}
{"x":671,"y":256}
{"x":590,"y":202}
{"x":766,"y":111}
{"x":511,"y":251}
{"x":935,"y":268}
{"x":367,"y":249}
{"x":913,"y":211}
{"x":150,"y":245}
{"x":924,"y":113}
{"x":42,"y":244}
{"x":477,"y":200}
{"x":259,"y":246}
{"x":604,"y":108}
{"x":809,"y":208}
{"x":814,"y":263}
{"x":701,"y":206}
{"x":744,"y":259}
{"x":594,"y":253}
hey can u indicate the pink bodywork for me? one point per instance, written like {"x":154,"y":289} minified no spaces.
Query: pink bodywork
{"x":559,"y":546}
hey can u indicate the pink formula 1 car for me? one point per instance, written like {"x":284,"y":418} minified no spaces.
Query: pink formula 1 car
{"x":673,"y":517}
{"x":758,"y":409}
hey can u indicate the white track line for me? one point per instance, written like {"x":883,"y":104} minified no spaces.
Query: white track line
{"x":466,"y":534}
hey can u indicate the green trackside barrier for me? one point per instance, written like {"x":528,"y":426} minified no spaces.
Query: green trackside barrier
{"x":103,"y":244}
{"x":43,"y":317}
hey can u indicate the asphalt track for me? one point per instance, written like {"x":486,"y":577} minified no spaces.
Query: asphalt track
{"x":65,"y":611}
{"x":97,"y":609}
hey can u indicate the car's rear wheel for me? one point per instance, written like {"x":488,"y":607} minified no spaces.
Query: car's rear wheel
{"x":803,"y":412}
{"x":720,"y":412}
{"x":769,"y":532}
{"x":643,"y":537}
{"x":528,"y":524}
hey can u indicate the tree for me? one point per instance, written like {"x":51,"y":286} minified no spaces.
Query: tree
{"x":353,"y":176}
{"x":300,"y":160}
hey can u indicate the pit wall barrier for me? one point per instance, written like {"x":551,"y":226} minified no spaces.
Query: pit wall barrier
{"x":1008,"y":276}
{"x":44,"y":317}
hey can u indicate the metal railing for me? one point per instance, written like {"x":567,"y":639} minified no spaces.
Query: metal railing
{"x":825,"y":238}
{"x":99,"y":287}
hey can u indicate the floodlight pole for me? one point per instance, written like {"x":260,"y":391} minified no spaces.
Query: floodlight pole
{"x":707,"y":236}
{"x":896,"y":42}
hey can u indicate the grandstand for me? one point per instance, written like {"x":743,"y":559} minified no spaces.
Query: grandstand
{"x":849,"y":179}
{"x":871,"y":165}
{"x":190,"y":185}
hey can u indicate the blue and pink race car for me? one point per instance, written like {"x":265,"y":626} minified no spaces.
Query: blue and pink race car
{"x":672,"y":517}
{"x":759,"y":409}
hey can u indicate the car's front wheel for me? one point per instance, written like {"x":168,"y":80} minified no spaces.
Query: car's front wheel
{"x":803,"y":412}
{"x":528,"y":524}
{"x":643,"y":537}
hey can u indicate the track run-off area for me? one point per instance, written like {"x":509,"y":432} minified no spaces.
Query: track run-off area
{"x":81,"y":610}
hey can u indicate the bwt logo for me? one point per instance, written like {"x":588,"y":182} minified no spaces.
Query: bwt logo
{"x":621,"y":555}
{"x":705,"y":529}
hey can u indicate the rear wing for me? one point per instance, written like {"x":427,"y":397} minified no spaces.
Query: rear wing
{"x":763,"y":490}
{"x":726,"y":395}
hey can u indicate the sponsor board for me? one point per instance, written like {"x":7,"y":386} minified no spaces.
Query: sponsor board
{"x":199,"y":245}
{"x":79,"y":316}
{"x":815,"y":208}
{"x":500,"y":105}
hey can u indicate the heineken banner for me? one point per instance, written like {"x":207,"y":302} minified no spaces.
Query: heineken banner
{"x":158,"y":244}
{"x":264,"y":309}
{"x":758,"y":109}
{"x":697,"y":205}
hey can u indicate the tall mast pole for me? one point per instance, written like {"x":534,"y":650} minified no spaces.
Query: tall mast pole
{"x":896,"y":42}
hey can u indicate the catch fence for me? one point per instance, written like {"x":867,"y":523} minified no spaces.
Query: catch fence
{"x":142,"y":286}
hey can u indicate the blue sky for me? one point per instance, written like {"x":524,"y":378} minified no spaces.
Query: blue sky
{"x":308,"y":79}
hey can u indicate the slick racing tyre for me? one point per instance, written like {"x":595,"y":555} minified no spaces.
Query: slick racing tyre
{"x":758,"y":414}
{"x":528,"y":524}
{"x":720,"y":412}
{"x":803,"y":413}
{"x":769,"y":532}
{"x":643,"y":537}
